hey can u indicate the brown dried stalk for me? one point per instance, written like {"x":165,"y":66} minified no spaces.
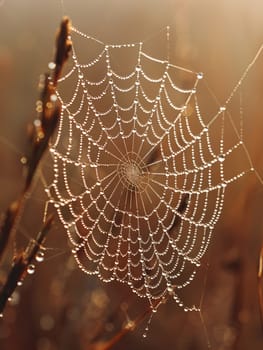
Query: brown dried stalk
{"x":22,"y":263}
{"x":130,"y":326}
{"x":260,"y":288}
{"x":7,"y":224}
{"x":48,"y":108}
{"x":63,"y":48}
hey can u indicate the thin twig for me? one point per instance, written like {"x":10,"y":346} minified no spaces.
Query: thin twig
{"x":63,"y":45}
{"x":7,"y":223}
{"x":21,"y":264}
{"x":260,"y":288}
{"x":48,"y":108}
{"x":130,"y":326}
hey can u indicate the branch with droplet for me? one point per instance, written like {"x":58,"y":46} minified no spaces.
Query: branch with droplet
{"x":48,"y":112}
{"x":22,"y":264}
{"x":128,"y":327}
{"x":48,"y":107}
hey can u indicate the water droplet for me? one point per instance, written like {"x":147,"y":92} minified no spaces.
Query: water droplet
{"x":37,"y":123}
{"x":14,"y":300}
{"x":19,"y":283}
{"x":222,"y":108}
{"x":52,"y":65}
{"x":221,"y":157}
{"x":109,"y":74}
{"x":170,"y":290}
{"x":23,"y":160}
{"x":1,"y":315}
{"x":31,"y":269}
{"x":53,"y":98}
{"x":40,"y":256}
{"x":130,"y":325}
{"x":138,"y":68}
{"x":200,"y":75}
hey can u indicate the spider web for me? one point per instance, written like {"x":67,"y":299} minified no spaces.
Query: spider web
{"x":139,"y":173}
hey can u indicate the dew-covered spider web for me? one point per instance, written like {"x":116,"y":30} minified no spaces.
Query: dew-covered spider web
{"x":139,"y":171}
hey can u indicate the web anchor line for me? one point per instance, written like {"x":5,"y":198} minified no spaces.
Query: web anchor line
{"x":138,"y":178}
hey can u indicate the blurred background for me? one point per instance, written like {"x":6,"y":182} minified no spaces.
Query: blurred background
{"x":59,"y":307}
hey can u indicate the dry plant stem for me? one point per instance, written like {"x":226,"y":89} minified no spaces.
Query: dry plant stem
{"x":260,"y":288}
{"x":49,"y":108}
{"x":63,"y":45}
{"x":21,"y":263}
{"x":130,"y":326}
{"x":7,"y":224}
{"x":44,"y":130}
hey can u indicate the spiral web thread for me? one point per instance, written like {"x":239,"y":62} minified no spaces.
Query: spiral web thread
{"x":139,"y":180}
